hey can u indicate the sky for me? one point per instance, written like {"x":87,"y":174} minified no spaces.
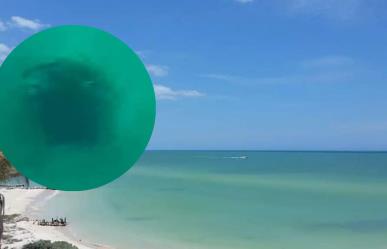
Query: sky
{"x":243,"y":74}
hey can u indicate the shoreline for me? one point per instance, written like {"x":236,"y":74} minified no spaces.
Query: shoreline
{"x":24,"y":205}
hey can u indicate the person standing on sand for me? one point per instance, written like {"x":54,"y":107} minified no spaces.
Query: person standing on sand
{"x":5,"y":172}
{"x":2,"y":208}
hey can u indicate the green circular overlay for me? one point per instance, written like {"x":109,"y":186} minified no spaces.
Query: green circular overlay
{"x":77,"y":108}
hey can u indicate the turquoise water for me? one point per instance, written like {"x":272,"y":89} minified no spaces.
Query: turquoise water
{"x":237,"y":199}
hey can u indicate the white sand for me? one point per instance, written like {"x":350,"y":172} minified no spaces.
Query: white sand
{"x":21,"y":231}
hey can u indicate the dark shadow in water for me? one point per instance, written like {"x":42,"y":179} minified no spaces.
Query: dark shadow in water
{"x":70,"y":99}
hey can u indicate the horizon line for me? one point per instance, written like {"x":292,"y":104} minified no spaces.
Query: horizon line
{"x":271,"y":150}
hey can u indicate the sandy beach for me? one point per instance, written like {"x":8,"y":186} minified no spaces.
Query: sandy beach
{"x":21,"y":206}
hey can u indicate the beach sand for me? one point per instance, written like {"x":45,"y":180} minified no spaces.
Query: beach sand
{"x":21,"y":206}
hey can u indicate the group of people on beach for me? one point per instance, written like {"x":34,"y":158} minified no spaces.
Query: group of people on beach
{"x":53,"y":222}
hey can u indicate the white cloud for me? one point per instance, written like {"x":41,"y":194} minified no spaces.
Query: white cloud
{"x":244,"y":1}
{"x":4,"y":51}
{"x":321,"y":70}
{"x":3,"y":27}
{"x":324,"y":77}
{"x":24,"y":23}
{"x":167,"y":93}
{"x":157,"y":70}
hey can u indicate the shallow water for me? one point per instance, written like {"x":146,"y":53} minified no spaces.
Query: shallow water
{"x":210,"y":199}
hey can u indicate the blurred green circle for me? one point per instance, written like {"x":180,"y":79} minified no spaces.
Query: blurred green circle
{"x":77,"y":107}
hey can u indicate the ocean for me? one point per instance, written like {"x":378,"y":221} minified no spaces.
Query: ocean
{"x":237,"y":200}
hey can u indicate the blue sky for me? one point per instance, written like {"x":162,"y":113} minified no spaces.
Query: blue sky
{"x":247,"y":74}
